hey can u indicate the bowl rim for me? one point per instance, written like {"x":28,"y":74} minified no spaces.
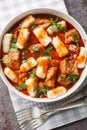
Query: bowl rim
{"x":66,"y":17}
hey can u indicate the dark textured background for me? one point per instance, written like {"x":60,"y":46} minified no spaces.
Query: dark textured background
{"x":8,"y":121}
{"x":78,"y":9}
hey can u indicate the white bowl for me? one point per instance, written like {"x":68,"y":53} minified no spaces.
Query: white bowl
{"x":67,"y":18}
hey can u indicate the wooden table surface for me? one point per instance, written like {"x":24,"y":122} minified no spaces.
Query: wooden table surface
{"x":8,"y":121}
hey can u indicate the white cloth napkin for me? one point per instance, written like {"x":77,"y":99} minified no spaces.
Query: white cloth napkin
{"x":8,"y":10}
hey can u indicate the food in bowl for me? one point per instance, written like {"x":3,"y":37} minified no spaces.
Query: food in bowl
{"x":43,"y":56}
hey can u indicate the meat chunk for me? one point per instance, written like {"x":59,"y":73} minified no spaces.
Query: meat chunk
{"x":72,"y":67}
{"x":68,"y":67}
{"x":37,"y":50}
{"x":69,"y":73}
{"x":51,"y":76}
{"x":71,"y":36}
{"x":12,"y":60}
{"x":63,"y":65}
{"x":74,"y":49}
{"x":43,"y":22}
{"x":54,"y":63}
{"x":70,"y":64}
{"x":23,"y":77}
{"x":63,"y":79}
{"x":16,"y":33}
{"x":15,"y":55}
{"x":75,"y":69}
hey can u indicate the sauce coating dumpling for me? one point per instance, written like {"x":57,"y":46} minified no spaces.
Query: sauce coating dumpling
{"x":41,"y":71}
{"x":43,"y":64}
{"x":55,"y":92}
{"x":29,"y":64}
{"x":22,"y":38}
{"x":42,"y":36}
{"x":59,"y":46}
{"x":6,"y":42}
{"x":81,"y":60}
{"x":28,"y":21}
{"x":31,"y":85}
{"x":11,"y":74}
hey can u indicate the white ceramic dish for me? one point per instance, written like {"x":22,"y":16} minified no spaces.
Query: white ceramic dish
{"x":67,"y":18}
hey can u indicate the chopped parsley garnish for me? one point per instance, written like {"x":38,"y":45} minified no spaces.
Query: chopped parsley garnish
{"x":13,"y":50}
{"x":76,"y":38}
{"x":24,"y":60}
{"x":37,"y":90}
{"x":13,"y":47}
{"x":76,"y":41}
{"x":24,"y":51}
{"x":36,"y":49}
{"x":72,"y":77}
{"x":34,"y":25}
{"x":60,"y":28}
{"x":14,"y":41}
{"x":22,"y":86}
{"x":48,"y":50}
{"x":41,"y":93}
{"x":49,"y":58}
{"x":45,"y":89}
{"x":63,"y":78}
{"x":31,"y":74}
{"x":54,"y":21}
{"x":74,"y":35}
